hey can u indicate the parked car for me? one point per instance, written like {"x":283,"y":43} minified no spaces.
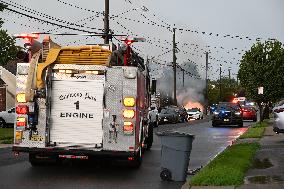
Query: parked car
{"x":249,"y":113}
{"x":278,"y":115}
{"x":168,"y":115}
{"x":7,"y":118}
{"x":194,"y":113}
{"x":228,"y":113}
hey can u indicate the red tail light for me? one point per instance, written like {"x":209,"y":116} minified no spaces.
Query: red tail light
{"x":22,"y":109}
{"x":128,"y":128}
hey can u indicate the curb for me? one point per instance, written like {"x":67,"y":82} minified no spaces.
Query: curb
{"x":6,"y":146}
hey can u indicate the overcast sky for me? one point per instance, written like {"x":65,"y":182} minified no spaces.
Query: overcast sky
{"x":242,"y":18}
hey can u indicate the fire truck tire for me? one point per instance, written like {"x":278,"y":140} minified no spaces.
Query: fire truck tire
{"x":149,"y":139}
{"x":136,"y":163}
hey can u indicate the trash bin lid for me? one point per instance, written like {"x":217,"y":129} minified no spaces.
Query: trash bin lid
{"x":174,"y":133}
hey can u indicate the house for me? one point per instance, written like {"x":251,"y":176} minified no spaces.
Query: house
{"x":8,"y":84}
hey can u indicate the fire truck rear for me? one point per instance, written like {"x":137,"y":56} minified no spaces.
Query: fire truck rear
{"x":82,"y":102}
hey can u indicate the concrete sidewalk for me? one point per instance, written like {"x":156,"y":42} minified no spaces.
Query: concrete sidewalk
{"x":268,"y":171}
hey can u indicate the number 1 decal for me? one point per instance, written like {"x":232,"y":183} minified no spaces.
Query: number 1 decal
{"x":77,"y":105}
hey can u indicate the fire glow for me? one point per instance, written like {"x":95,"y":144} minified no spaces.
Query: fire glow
{"x":191,"y":104}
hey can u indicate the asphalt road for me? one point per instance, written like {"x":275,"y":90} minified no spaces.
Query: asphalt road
{"x":18,"y":173}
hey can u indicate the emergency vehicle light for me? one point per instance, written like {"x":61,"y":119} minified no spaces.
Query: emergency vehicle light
{"x":128,"y":114}
{"x":21,"y":97}
{"x":128,"y":128}
{"x":21,"y":122}
{"x":32,"y":35}
{"x":129,"y":101}
{"x":22,"y":109}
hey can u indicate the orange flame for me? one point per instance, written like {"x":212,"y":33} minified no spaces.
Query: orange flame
{"x":191,"y":104}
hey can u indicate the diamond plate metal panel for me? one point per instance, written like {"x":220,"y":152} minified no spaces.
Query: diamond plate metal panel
{"x":117,"y":86}
{"x":41,"y":127}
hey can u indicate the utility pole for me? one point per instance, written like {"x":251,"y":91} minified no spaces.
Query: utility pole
{"x":229,"y":77}
{"x":206,"y":84}
{"x":175,"y":66}
{"x":220,"y":83}
{"x":106,"y":22}
{"x":182,"y":77}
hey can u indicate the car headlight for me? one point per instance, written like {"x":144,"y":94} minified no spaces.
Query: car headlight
{"x":216,"y":113}
{"x":238,"y":113}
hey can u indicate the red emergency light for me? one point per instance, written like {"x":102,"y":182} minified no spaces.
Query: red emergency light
{"x":22,"y":109}
{"x":129,"y":40}
{"x":32,"y":35}
{"x":28,"y":37}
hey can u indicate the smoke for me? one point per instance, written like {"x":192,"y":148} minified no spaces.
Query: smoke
{"x":192,"y":90}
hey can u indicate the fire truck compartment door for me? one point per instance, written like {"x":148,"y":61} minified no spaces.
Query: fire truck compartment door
{"x":77,"y":112}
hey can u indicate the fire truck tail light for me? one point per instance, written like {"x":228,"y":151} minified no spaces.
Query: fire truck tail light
{"x":128,"y":114}
{"x":21,"y":97}
{"x":128,"y":128}
{"x":21,"y":122}
{"x":22,"y":109}
{"x":129,"y":101}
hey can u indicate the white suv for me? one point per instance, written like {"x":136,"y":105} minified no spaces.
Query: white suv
{"x":7,"y":118}
{"x":278,"y":124}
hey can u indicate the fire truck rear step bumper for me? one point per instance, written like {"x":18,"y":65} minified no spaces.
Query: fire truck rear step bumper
{"x":80,"y":152}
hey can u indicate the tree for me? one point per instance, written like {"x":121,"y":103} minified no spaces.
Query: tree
{"x":8,"y":49}
{"x":262,"y":66}
{"x":228,"y":89}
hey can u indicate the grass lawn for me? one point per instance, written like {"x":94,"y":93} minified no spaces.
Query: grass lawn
{"x":228,"y":168}
{"x":255,"y":131}
{"x":6,"y":135}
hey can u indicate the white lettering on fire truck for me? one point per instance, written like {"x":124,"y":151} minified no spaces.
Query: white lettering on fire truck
{"x":77,"y":115}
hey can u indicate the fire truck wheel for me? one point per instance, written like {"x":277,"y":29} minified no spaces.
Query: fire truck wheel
{"x":136,"y":163}
{"x":149,"y":139}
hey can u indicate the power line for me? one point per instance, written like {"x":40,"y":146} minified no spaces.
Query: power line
{"x":49,"y":22}
{"x":46,"y":16}
{"x":76,"y":6}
